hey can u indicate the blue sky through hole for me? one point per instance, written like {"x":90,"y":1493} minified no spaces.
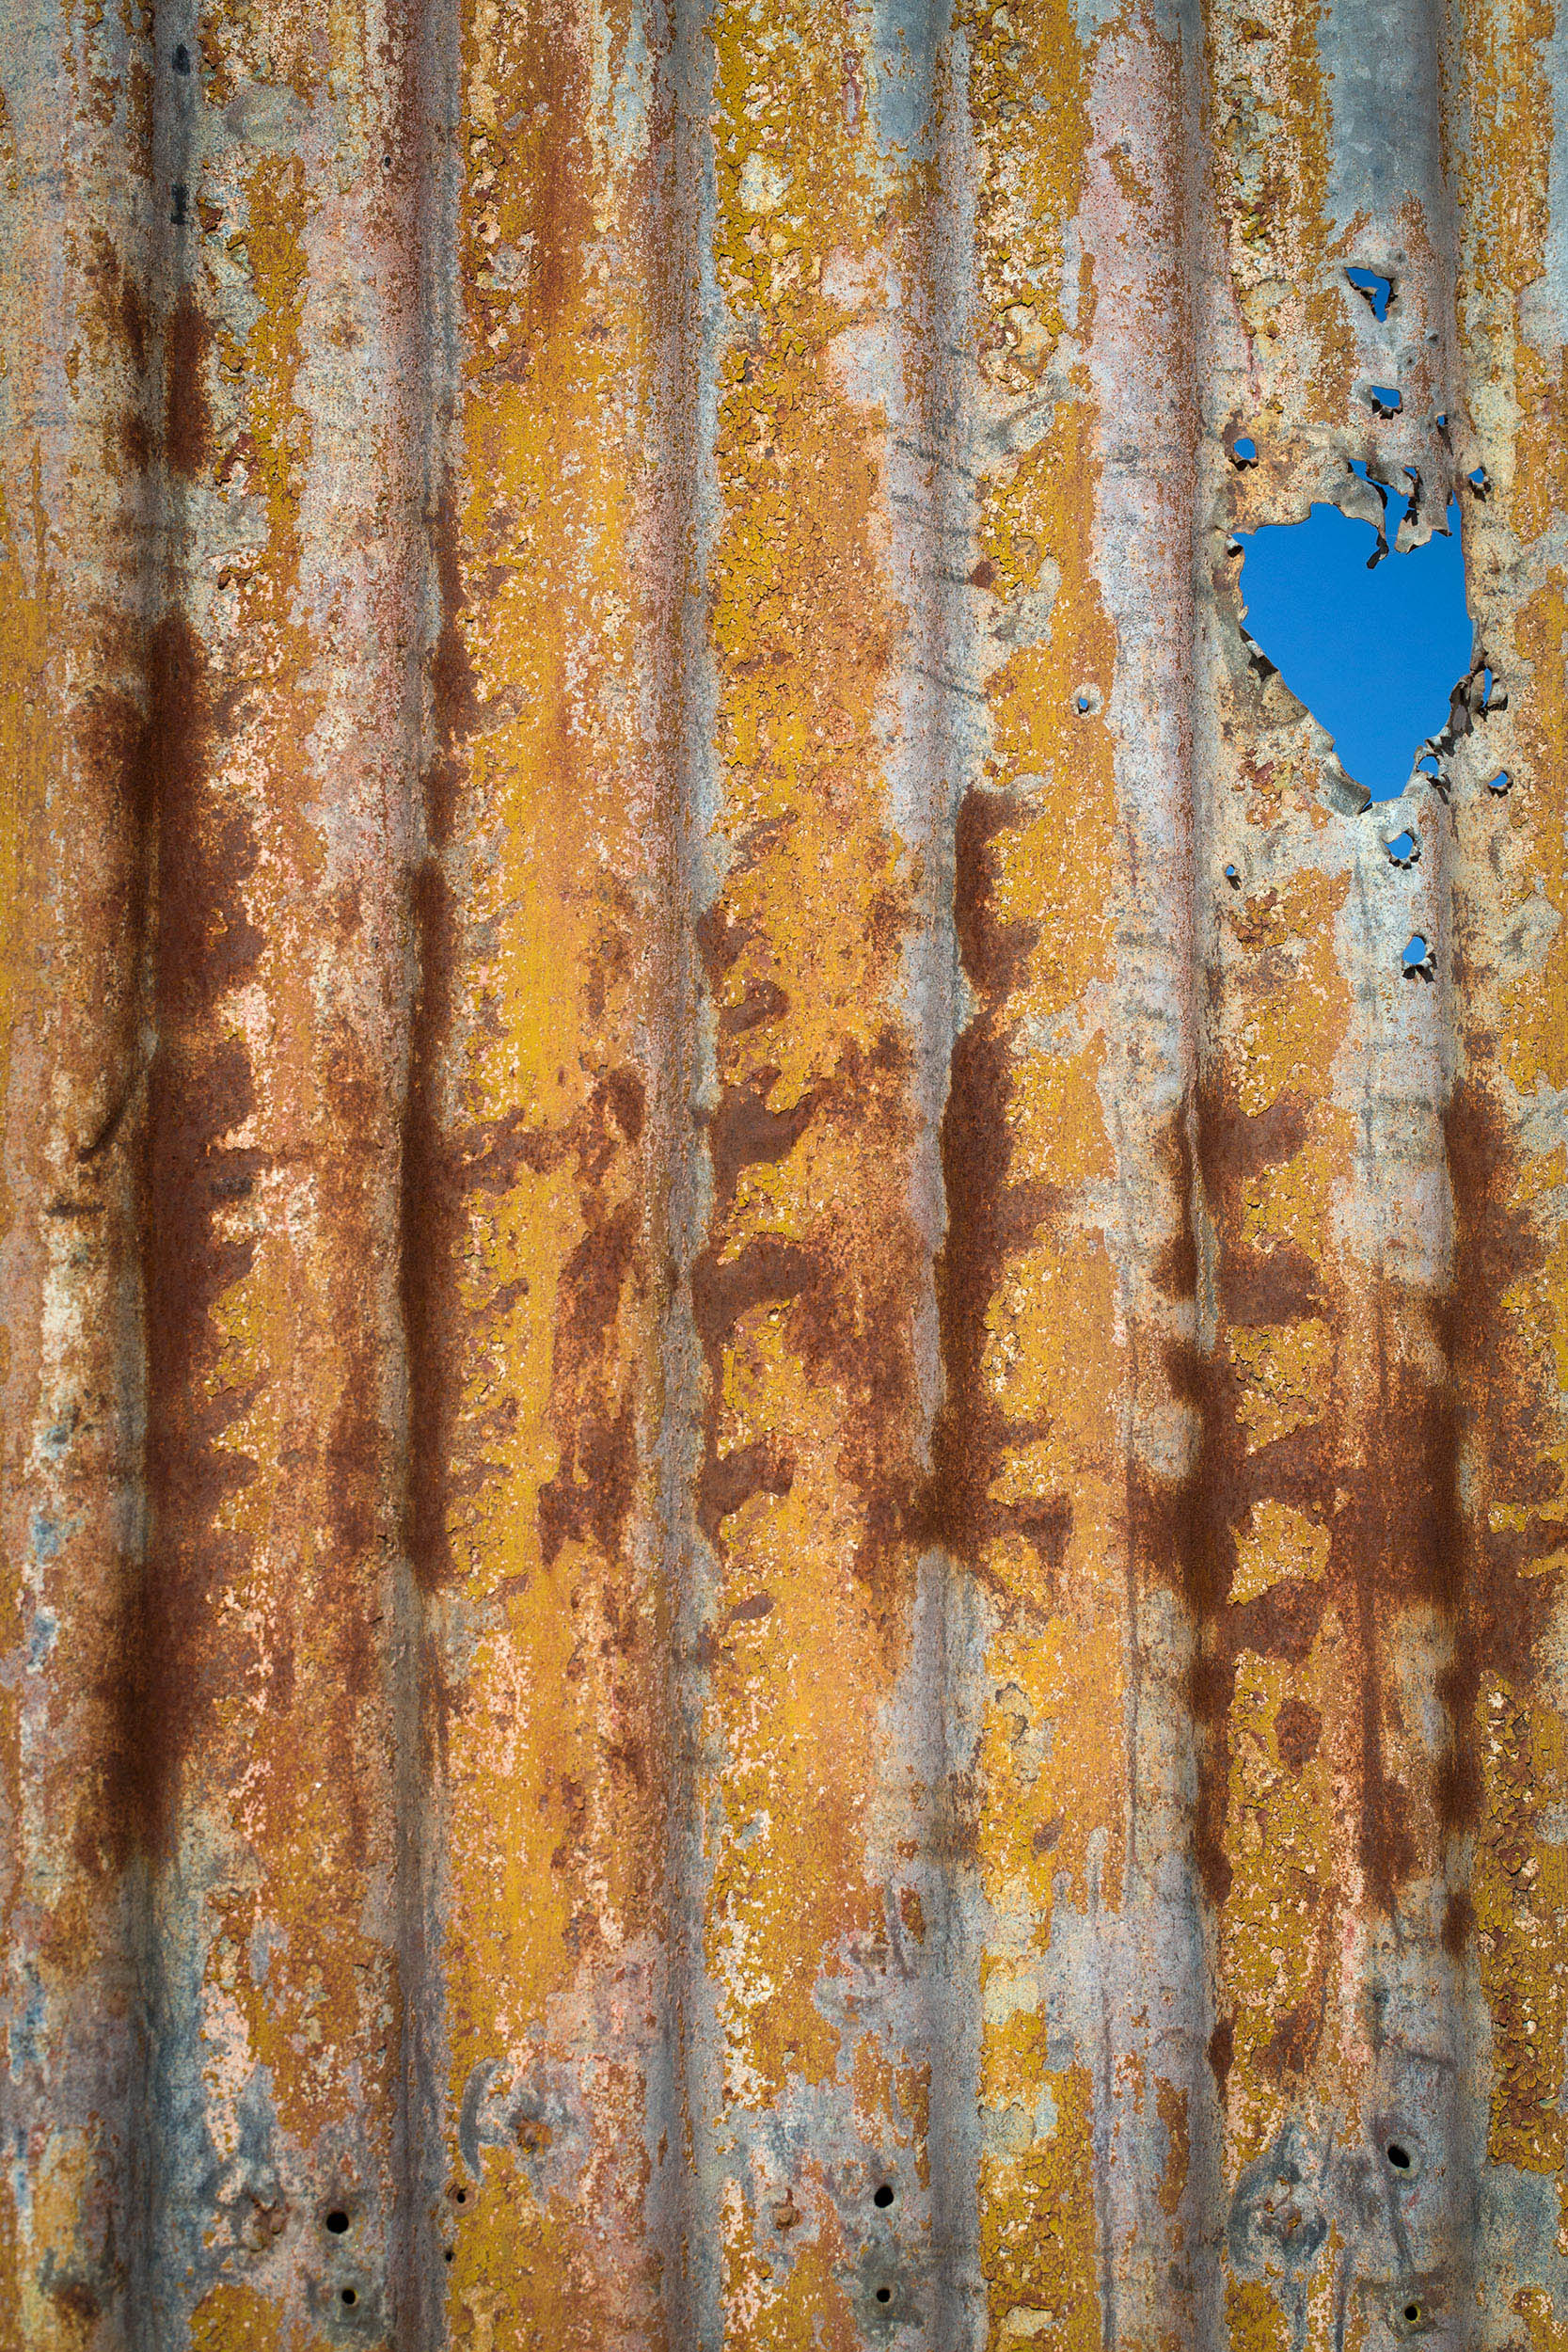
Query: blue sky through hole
{"x":1374,"y":655}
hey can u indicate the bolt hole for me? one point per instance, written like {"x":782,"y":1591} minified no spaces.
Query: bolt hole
{"x":1404,"y":850}
{"x":1399,"y":2155}
{"x":884,"y":2294}
{"x":1480,"y":482}
{"x":882,"y":2195}
{"x":1386,"y":399}
{"x":337,"y":2221}
{"x":1243,"y":452}
{"x":348,"y":2296}
{"x":1233,"y":877}
{"x":1499,"y":783}
{"x":1413,"y":2311}
{"x":459,"y":2196}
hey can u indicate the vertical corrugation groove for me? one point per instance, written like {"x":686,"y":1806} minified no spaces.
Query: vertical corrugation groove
{"x":783,"y":1434}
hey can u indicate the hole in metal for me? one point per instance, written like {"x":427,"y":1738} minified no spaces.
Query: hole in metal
{"x":1373,"y":287}
{"x":1373,"y":648}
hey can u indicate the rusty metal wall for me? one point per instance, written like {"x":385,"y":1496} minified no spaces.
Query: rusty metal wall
{"x":785,"y":1452}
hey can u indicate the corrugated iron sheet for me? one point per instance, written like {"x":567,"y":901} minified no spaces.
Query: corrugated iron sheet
{"x":785,"y":1449}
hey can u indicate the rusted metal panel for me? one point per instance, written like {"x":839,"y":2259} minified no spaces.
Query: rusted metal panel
{"x":783,"y":1446}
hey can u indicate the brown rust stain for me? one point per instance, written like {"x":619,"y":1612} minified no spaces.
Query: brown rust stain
{"x":200,"y":1091}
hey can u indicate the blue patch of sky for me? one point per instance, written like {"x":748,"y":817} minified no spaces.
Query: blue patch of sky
{"x":1376,"y":288}
{"x":1374,"y":651}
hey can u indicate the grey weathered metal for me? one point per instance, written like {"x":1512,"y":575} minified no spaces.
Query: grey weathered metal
{"x":783,"y":1446}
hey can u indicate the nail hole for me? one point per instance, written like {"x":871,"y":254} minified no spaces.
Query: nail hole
{"x":884,"y":2294}
{"x":1404,"y":850}
{"x":1399,"y":2155}
{"x":1386,"y":399}
{"x":348,"y":2296}
{"x":882,"y":2195}
{"x":182,"y":59}
{"x":1499,"y":783}
{"x":1233,"y":878}
{"x":1086,"y":700}
{"x":1243,"y":452}
{"x":337,"y":2221}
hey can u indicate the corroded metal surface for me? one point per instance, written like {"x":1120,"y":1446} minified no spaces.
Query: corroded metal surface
{"x":784,"y":1451}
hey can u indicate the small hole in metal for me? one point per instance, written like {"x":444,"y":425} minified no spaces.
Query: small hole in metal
{"x":884,"y":2294}
{"x":1399,"y":2155}
{"x":882,"y":2195}
{"x":337,"y":2221}
{"x":1413,"y":2311}
{"x":348,"y":2296}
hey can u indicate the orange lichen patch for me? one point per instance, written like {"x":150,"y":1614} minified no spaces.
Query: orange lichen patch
{"x":1277,"y":1929}
{"x":1254,"y":2317}
{"x":1028,"y":86}
{"x":1535,"y":1046}
{"x":1294,"y":1002}
{"x":1057,"y":1117}
{"x":1538,"y":488}
{"x":1273,"y":121}
{"x":268,"y":361}
{"x":1054,"y":1307}
{"x":796,"y":2303}
{"x":1053,"y":1761}
{"x":1285,"y":1371}
{"x":1277,"y":1545}
{"x":1038,"y":2204}
{"x":232,"y":2317}
{"x":1504,"y":162}
{"x":1289,"y":1201}
{"x":532,"y":1297}
{"x":794,"y":166}
{"x":1547,"y":2334}
{"x":27,"y":634}
{"x":1519,"y":1888}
